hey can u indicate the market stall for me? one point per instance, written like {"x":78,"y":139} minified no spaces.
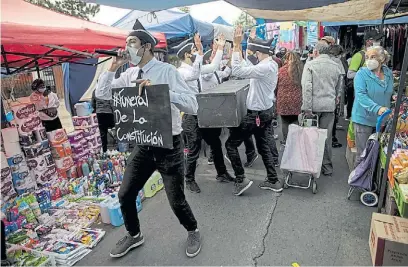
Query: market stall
{"x":394,"y":141}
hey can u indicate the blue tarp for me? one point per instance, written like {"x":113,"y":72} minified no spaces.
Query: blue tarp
{"x":221,"y":21}
{"x":172,"y":23}
{"x":400,"y":20}
{"x":280,"y":5}
{"x":77,"y":79}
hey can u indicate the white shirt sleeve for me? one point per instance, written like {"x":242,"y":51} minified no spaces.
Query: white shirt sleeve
{"x":53,"y":101}
{"x":106,"y":82}
{"x":224,"y":73}
{"x":214,"y":65}
{"x":249,"y":72}
{"x":194,"y":73}
{"x":180,"y":94}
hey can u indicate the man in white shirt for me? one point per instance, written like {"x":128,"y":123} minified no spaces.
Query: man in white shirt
{"x":144,"y":159}
{"x":263,"y":80}
{"x":191,"y":70}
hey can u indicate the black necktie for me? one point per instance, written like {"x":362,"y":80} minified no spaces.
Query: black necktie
{"x":218,"y":78}
{"x":199,"y":85}
{"x":140,"y":74}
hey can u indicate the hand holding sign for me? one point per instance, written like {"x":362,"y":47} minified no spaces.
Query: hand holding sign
{"x":142,"y":84}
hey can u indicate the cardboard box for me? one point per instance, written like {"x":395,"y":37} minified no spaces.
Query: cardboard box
{"x":224,"y":105}
{"x":388,"y":240}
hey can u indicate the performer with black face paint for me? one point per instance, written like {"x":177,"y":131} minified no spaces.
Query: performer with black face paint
{"x":263,"y":80}
{"x":47,"y":103}
{"x":144,"y":159}
{"x":191,"y":70}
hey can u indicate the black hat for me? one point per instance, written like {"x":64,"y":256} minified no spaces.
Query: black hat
{"x":140,"y":32}
{"x":37,"y":83}
{"x":207,"y":56}
{"x":259,"y":45}
{"x":185,"y":47}
{"x":372,"y":35}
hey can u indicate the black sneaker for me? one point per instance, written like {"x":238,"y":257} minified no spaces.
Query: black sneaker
{"x":225,"y":178}
{"x":274,"y":186}
{"x":210,"y":160}
{"x":193,"y":187}
{"x":251,"y":161}
{"x":240,"y":188}
{"x":126,"y":244}
{"x":193,"y":243}
{"x":276,"y":163}
{"x":336,"y":145}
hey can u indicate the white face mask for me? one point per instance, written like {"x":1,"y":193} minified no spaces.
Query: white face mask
{"x":377,"y":44}
{"x":134,"y":58}
{"x":42,"y":90}
{"x":372,"y":64}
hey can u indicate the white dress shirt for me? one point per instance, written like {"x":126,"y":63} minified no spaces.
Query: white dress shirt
{"x":192,"y":73}
{"x":157,"y":72}
{"x":210,"y":80}
{"x":263,"y":80}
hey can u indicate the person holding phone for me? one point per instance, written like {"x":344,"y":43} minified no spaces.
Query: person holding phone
{"x":47,"y":103}
{"x":144,"y":160}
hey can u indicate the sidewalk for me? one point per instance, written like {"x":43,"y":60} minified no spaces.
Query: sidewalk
{"x":258,"y":228}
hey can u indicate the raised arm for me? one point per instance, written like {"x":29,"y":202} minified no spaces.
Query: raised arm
{"x":215,"y":62}
{"x":194,"y":74}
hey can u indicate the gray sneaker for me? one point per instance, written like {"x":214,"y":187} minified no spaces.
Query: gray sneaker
{"x":193,"y":187}
{"x":225,"y":178}
{"x":274,"y":186}
{"x":251,"y":161}
{"x":193,"y":243}
{"x":240,"y":188}
{"x":126,"y":244}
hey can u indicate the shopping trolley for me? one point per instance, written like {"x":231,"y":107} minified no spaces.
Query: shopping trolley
{"x":362,"y":177}
{"x":304,"y":151}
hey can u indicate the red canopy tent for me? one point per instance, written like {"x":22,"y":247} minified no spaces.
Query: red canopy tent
{"x":34,"y":37}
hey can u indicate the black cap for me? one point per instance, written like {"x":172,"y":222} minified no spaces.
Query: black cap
{"x":372,"y":35}
{"x":185,"y":49}
{"x":259,"y":45}
{"x":207,"y":56}
{"x":140,"y":32}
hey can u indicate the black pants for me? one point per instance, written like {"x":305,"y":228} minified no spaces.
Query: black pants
{"x":250,"y":151}
{"x":3,"y":241}
{"x":52,"y":125}
{"x":286,"y":121}
{"x":350,"y":101}
{"x":142,"y":163}
{"x":105,"y":122}
{"x":263,"y":140}
{"x":336,"y":120}
{"x":194,"y":135}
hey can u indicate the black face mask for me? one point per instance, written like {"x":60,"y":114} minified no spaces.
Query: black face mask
{"x":253,"y":59}
{"x":193,"y":58}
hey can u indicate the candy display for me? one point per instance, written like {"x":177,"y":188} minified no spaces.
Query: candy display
{"x":55,"y":187}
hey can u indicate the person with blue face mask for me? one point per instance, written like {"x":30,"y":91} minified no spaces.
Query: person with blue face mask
{"x":47,"y":103}
{"x":373,"y":86}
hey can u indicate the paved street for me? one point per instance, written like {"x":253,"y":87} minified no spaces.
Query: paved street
{"x":259,"y":228}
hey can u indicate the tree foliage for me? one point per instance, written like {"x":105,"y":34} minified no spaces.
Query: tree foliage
{"x":76,"y":8}
{"x":247,"y":21}
{"x":185,"y":9}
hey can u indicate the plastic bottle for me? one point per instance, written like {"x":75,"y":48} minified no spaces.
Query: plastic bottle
{"x":85,"y":168}
{"x":95,"y":166}
{"x":104,"y":205}
{"x":115,"y":214}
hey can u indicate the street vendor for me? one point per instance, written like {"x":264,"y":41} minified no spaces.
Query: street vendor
{"x":47,"y":103}
{"x":144,"y":160}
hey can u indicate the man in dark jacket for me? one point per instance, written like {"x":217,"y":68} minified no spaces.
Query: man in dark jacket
{"x":104,"y":113}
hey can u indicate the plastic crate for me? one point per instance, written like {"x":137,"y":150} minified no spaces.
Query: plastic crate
{"x":401,"y":202}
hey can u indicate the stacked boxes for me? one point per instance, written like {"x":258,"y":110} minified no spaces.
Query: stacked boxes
{"x":61,"y":152}
{"x":88,"y":125}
